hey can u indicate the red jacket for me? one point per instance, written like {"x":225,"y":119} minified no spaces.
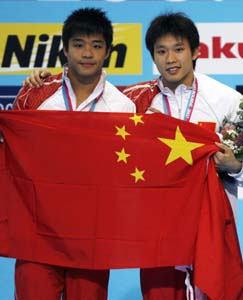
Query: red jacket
{"x":37,"y":96}
{"x":142,"y":94}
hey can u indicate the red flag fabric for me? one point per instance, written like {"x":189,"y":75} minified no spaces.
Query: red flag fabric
{"x":101,"y":190}
{"x":5,"y":183}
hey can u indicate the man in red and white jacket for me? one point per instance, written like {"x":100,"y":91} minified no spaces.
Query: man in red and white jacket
{"x":87,"y":37}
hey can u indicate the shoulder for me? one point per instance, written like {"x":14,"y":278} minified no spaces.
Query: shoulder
{"x":219,"y":96}
{"x":112,"y":90}
{"x":214,"y":87}
{"x":141,"y":86}
{"x":142,"y":92}
{"x":116,"y":99}
{"x":32,"y":97}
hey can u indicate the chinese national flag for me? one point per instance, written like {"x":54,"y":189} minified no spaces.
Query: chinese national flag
{"x":102,"y":190}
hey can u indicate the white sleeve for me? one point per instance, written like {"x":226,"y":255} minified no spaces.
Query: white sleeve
{"x":238,"y":176}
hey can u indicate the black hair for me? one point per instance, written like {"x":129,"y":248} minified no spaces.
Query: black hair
{"x":87,"y":21}
{"x":177,"y":24}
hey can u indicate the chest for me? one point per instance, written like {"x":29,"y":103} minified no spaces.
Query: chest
{"x":187,"y":107}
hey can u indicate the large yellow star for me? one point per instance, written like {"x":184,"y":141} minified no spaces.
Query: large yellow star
{"x":138,"y":175}
{"x":122,"y":155}
{"x":122,"y":132}
{"x":180,"y":147}
{"x":137,"y":119}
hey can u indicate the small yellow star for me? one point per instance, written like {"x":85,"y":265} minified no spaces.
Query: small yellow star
{"x":180,"y":147}
{"x":122,"y":132}
{"x":138,"y":175}
{"x":122,"y":155}
{"x":137,"y":119}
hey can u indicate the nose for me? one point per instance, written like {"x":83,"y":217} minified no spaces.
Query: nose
{"x":87,"y":51}
{"x":171,"y":58}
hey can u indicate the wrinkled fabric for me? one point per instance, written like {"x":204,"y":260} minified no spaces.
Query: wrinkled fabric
{"x":162,"y":205}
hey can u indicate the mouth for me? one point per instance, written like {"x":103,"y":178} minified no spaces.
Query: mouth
{"x":172,"y":70}
{"x":87,"y":64}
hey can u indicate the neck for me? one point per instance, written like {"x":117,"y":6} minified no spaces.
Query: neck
{"x":83,"y":87}
{"x":173,"y":85}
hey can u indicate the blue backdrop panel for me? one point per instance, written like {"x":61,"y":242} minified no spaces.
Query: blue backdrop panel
{"x":7,"y":95}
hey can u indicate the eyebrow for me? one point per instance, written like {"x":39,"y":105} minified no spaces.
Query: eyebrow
{"x":93,"y":41}
{"x":175,"y":45}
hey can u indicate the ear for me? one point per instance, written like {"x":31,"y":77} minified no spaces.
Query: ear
{"x":65,"y":51}
{"x":195,"y":54}
{"x":108,"y":51}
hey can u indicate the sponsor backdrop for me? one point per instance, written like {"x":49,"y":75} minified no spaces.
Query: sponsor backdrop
{"x":31,"y":38}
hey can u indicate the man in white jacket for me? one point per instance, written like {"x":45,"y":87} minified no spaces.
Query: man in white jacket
{"x":173,"y":42}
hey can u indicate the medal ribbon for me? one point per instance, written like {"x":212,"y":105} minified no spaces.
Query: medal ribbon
{"x":190,"y":103}
{"x":68,"y":101}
